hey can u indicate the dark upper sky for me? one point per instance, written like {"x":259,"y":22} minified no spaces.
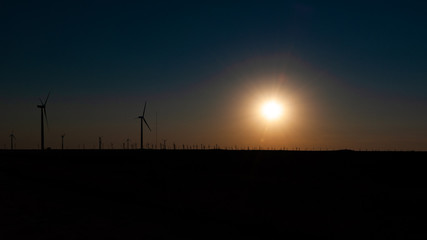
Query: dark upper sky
{"x":353,"y":74}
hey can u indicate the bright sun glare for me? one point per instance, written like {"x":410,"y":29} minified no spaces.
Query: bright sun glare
{"x":271,"y":110}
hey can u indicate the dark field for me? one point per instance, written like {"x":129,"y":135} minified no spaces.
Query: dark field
{"x":125,"y":194}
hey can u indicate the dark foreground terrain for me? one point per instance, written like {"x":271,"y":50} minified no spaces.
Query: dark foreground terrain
{"x":212,"y":194}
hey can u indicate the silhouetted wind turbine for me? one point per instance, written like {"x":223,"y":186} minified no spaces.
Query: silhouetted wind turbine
{"x":100,"y":143}
{"x":156,"y":130}
{"x":62,"y":141}
{"x":12,"y":137}
{"x":164,"y":143}
{"x":142,"y":127}
{"x":43,"y":112}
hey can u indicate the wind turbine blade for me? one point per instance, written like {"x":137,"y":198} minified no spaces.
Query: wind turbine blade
{"x":48,"y":95}
{"x":41,"y":101}
{"x":147,"y":124}
{"x":143,"y":112}
{"x":45,"y":116}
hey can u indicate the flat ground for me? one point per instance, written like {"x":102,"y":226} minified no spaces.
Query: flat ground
{"x":169,"y":194}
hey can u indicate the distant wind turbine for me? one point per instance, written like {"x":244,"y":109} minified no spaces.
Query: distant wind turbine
{"x":156,"y":130}
{"x":164,"y":143}
{"x":100,"y":143}
{"x":62,"y":141}
{"x":43,"y":113}
{"x":142,"y":127}
{"x":12,"y":137}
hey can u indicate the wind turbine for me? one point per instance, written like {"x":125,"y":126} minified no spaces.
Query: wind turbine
{"x":62,"y":141}
{"x":142,"y":127}
{"x":100,"y":143}
{"x":164,"y":143}
{"x":43,"y":112}
{"x":12,"y":137}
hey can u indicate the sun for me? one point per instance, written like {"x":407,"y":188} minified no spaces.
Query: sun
{"x":272,"y":110}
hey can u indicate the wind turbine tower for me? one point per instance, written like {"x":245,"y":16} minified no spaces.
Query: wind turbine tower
{"x":43,"y":113}
{"x":12,"y":137}
{"x":142,"y":118}
{"x":164,"y":144}
{"x":62,"y":141}
{"x":100,"y":143}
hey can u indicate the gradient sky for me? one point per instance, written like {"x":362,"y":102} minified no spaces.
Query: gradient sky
{"x":351,"y":74}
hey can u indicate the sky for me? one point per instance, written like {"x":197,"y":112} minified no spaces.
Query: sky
{"x":348,"y":74}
